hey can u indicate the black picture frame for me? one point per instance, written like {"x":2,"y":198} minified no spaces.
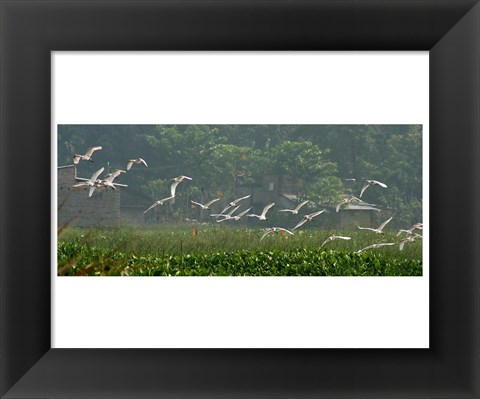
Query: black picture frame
{"x":30,"y":30}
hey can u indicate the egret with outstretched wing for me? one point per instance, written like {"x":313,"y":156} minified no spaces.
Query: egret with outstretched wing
{"x":369,"y":183}
{"x":138,"y":161}
{"x":308,"y":218}
{"x":108,"y":181}
{"x":295,"y":211}
{"x":93,"y":182}
{"x":233,"y":203}
{"x":331,"y":238}
{"x":275,"y":230}
{"x":379,"y":229}
{"x":375,"y":246}
{"x":159,"y":202}
{"x":264,"y":212}
{"x":207,"y":205}
{"x":87,"y":156}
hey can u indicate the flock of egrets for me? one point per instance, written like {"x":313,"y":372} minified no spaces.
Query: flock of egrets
{"x":228,"y":213}
{"x":94,"y":182}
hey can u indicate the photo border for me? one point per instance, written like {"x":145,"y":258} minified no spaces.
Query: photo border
{"x":30,"y":30}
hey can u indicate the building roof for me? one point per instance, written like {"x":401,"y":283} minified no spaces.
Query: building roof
{"x":291,"y":197}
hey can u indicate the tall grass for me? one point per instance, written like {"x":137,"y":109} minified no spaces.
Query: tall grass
{"x":186,"y":242}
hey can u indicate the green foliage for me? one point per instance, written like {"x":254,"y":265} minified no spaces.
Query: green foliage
{"x":297,"y":159}
{"x":300,"y":262}
{"x":237,"y":165}
{"x":325,"y":190}
{"x":229,"y":252}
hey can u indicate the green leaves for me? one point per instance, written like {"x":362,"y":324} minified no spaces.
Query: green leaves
{"x":298,"y":159}
{"x":298,"y":262}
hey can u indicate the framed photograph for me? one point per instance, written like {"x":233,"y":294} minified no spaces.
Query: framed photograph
{"x":166,"y":153}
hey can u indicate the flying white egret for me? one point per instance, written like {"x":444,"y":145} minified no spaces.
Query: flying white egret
{"x":405,"y":240}
{"x":347,"y":200}
{"x":234,"y":217}
{"x":264,"y":212}
{"x":108,"y":181}
{"x":275,"y":230}
{"x":369,"y":183}
{"x":137,"y":161}
{"x":176,"y":182}
{"x":418,"y":226}
{"x":331,"y":238}
{"x":93,"y":182}
{"x":234,"y":203}
{"x":375,"y":246}
{"x":207,"y":205}
{"x":159,"y":202}
{"x":173,"y":186}
{"x":87,"y":156}
{"x":237,"y":217}
{"x":295,"y":211}
{"x":410,"y":231}
{"x":410,"y":238}
{"x":307,"y":218}
{"x":181,"y":178}
{"x":379,"y":229}
{"x":227,"y":215}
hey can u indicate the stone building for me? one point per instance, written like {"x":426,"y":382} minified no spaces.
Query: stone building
{"x":353,"y":215}
{"x":273,"y":188}
{"x":75,"y":208}
{"x":133,"y":205}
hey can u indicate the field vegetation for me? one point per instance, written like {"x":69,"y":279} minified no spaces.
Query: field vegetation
{"x":213,"y":250}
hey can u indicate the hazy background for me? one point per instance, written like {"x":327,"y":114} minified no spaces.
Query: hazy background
{"x":316,"y":161}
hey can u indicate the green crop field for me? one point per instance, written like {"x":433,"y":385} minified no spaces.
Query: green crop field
{"x":213,"y":250}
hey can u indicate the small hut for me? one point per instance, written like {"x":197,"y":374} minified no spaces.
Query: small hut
{"x":353,"y":215}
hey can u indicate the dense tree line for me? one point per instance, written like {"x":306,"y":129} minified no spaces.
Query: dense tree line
{"x":224,"y":158}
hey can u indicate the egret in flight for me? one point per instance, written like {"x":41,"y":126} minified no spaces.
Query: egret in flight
{"x":379,"y":229}
{"x":138,"y":161}
{"x":159,"y":202}
{"x":264,"y":212}
{"x":295,"y":211}
{"x":93,"y":182}
{"x":108,"y":181}
{"x":369,"y":183}
{"x":87,"y":156}
{"x":375,"y":246}
{"x":275,"y":230}
{"x":235,"y":217}
{"x":308,"y":218}
{"x":331,"y":238}
{"x":207,"y":205}
{"x":234,"y":203}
